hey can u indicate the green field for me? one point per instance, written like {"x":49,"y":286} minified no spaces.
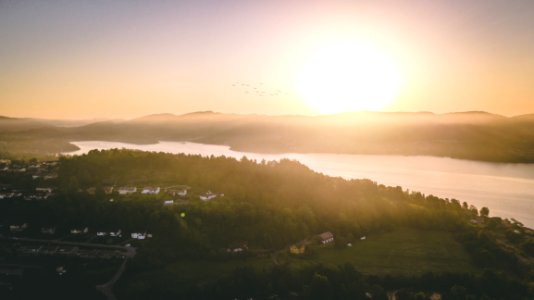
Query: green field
{"x":402,"y":251}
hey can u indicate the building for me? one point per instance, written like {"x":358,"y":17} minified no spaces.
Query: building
{"x":168,"y":202}
{"x":326,"y":237}
{"x":207,"y":196}
{"x":91,"y":190}
{"x":297,"y":248}
{"x":237,"y":248}
{"x":44,"y":190}
{"x":18,"y":228}
{"x":117,"y":233}
{"x":77,"y":231}
{"x":48,"y":230}
{"x":140,"y":236}
{"x":178,"y":190}
{"x":150,"y":190}
{"x":125,"y":190}
{"x":108,"y":190}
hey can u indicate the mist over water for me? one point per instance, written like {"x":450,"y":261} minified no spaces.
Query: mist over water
{"x":506,"y":189}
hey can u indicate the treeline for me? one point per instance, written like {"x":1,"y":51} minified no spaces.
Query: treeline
{"x":270,"y":204}
{"x":273,"y":204}
{"x":345,"y":282}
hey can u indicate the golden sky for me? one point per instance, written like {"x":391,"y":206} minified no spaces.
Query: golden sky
{"x":123,"y":59}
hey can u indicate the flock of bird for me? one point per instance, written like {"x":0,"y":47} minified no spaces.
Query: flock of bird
{"x":258,"y":89}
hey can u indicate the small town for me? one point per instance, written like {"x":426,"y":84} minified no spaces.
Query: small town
{"x":56,"y":247}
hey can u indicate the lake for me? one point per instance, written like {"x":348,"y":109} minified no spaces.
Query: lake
{"x":506,"y":189}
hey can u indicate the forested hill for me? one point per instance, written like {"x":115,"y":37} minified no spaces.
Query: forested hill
{"x":273,"y":204}
{"x":467,"y":135}
{"x":418,"y":241}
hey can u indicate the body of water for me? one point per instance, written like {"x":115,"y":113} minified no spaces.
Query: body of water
{"x":506,"y":189}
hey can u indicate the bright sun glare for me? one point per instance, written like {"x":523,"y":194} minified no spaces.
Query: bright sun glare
{"x":348,"y":76}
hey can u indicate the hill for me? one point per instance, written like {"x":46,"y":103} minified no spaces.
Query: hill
{"x":465,"y":135}
{"x":237,"y":245}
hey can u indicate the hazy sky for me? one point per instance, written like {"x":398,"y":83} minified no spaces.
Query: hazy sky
{"x":102,"y":58}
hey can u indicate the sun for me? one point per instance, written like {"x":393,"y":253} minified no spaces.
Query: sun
{"x":348,"y":76}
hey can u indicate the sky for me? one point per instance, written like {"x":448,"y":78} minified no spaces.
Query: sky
{"x":123,"y":59}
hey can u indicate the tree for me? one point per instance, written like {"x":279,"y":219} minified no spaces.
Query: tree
{"x":484,"y":212}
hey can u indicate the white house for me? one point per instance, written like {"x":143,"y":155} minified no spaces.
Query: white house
{"x":117,"y":233}
{"x":77,"y":231}
{"x":150,"y":190}
{"x":140,"y":236}
{"x":168,"y":202}
{"x":43,"y":190}
{"x":326,"y":237}
{"x":177,"y":190}
{"x":125,"y":190}
{"x":18,"y":228}
{"x":207,"y":196}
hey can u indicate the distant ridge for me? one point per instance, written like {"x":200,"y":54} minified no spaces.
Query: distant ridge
{"x":200,"y":113}
{"x":469,"y":135}
{"x":527,"y":117}
{"x":166,"y":117}
{"x":156,"y":118}
{"x":467,"y":116}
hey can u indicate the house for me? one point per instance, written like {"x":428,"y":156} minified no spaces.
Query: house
{"x":44,"y":190}
{"x":48,"y":230}
{"x":117,"y":233}
{"x":150,"y":190}
{"x":179,"y":190}
{"x":207,"y":196}
{"x":363,"y":238}
{"x":18,"y":228}
{"x":101,"y":233}
{"x":108,"y":190}
{"x":237,"y":248}
{"x":326,"y":237}
{"x":297,"y":249}
{"x":7,"y":195}
{"x":125,"y":190}
{"x":168,"y":202}
{"x":77,"y":231}
{"x":50,"y":176}
{"x":91,"y":190}
{"x":140,"y":236}
{"x":61,"y":270}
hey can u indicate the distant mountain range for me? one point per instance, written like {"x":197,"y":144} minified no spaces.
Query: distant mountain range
{"x":470,"y":135}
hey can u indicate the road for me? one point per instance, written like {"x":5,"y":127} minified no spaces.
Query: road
{"x":106,"y":288}
{"x":129,"y":251}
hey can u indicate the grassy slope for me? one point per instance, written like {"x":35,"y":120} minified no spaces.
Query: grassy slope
{"x":402,"y":251}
